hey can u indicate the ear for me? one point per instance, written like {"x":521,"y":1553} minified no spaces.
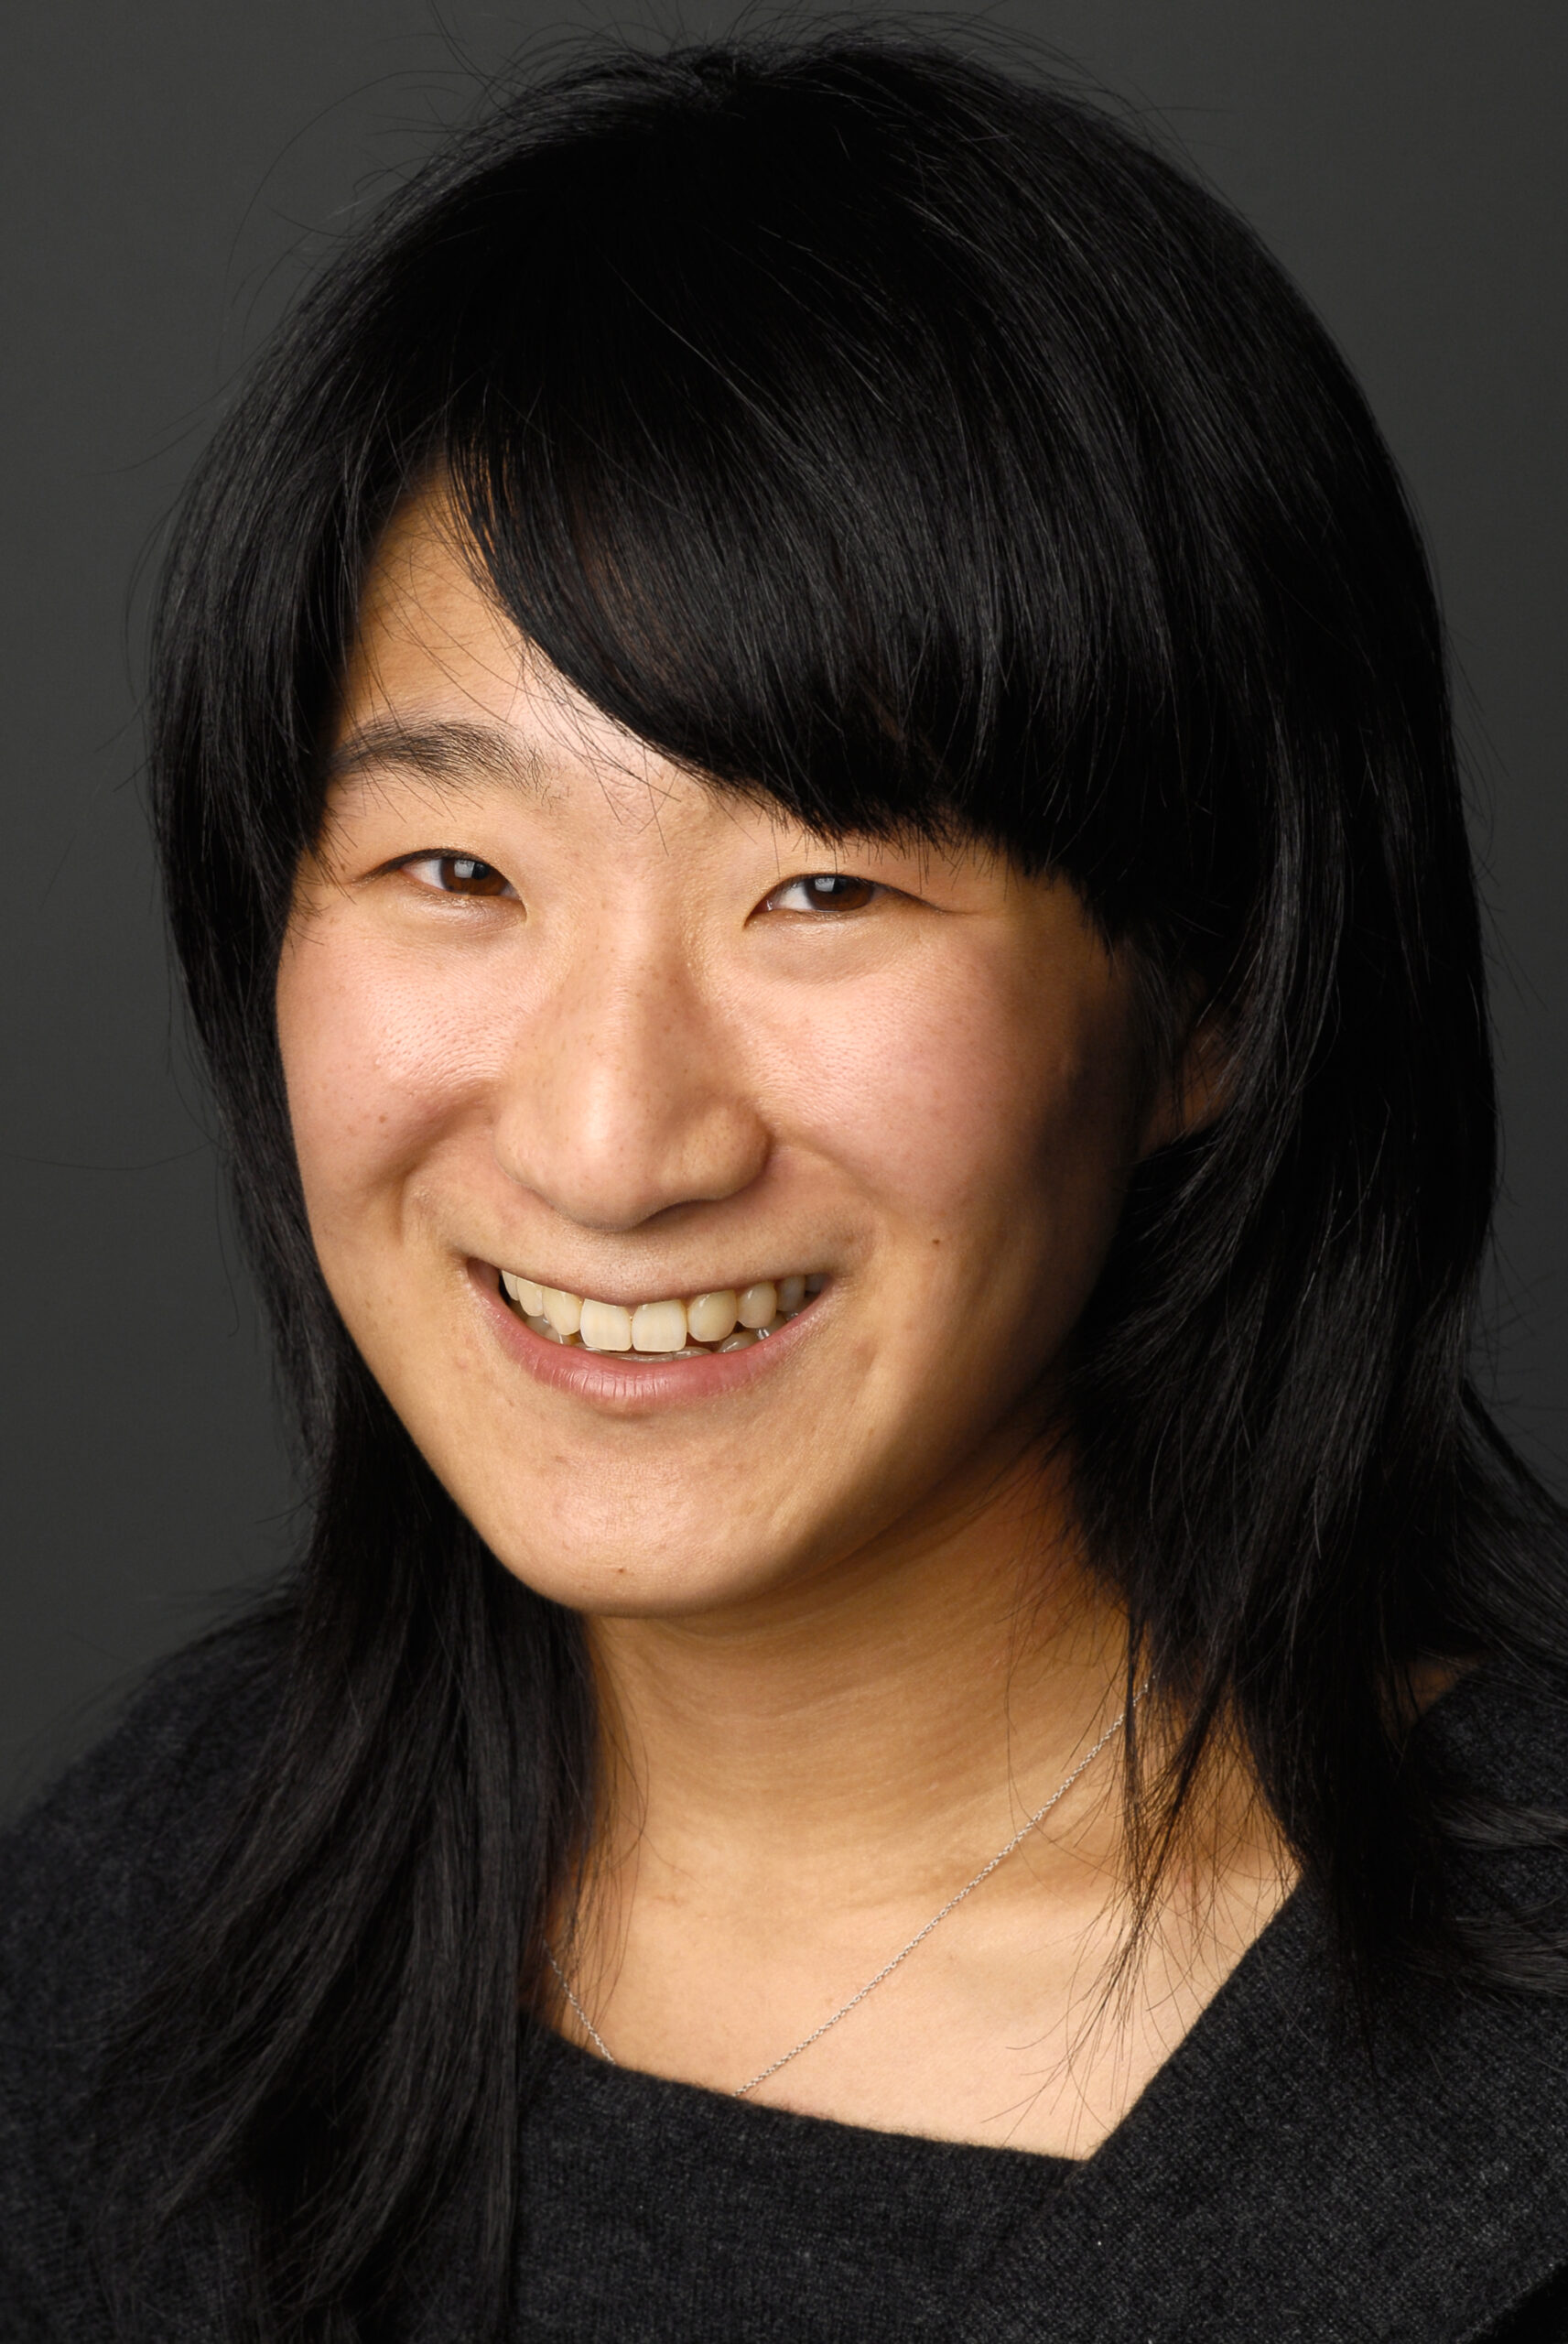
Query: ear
{"x":1195,"y":1087}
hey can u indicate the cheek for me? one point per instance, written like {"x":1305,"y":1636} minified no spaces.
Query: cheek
{"x":380,"y":1065}
{"x":969,"y":1108}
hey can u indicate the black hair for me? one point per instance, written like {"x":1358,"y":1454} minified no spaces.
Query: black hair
{"x":907,"y":441}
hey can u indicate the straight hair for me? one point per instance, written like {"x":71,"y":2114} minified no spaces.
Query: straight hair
{"x":904,"y":441}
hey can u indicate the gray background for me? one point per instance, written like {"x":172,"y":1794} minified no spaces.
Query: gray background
{"x":169,"y":170}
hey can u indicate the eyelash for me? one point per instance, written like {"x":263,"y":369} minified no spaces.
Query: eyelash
{"x":477,"y":876}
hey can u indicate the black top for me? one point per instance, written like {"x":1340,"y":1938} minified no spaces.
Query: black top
{"x":1271,"y":2183}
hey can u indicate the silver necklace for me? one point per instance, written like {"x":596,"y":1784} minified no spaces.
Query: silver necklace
{"x":888,"y":1968}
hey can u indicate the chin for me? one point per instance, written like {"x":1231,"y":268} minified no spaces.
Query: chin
{"x":622,"y":1580}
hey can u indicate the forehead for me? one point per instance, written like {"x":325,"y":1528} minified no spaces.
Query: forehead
{"x":434,"y":650}
{"x":442,"y":692}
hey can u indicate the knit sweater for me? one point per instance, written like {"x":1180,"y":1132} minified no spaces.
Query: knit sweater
{"x":1274,"y":2181}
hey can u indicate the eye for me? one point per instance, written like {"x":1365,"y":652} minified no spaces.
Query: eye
{"x":823,"y":891}
{"x":458,"y":874}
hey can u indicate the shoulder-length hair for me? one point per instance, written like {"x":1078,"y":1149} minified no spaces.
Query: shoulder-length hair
{"x":910,"y":444}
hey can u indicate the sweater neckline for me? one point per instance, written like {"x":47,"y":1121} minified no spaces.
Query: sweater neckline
{"x":1256,"y":1977}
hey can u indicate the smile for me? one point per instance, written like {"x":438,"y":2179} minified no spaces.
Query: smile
{"x":693,"y":1326}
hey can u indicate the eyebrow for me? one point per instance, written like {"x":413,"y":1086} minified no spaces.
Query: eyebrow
{"x":444,"y":749}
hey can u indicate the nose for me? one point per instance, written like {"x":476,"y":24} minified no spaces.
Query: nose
{"x":624,"y":1098}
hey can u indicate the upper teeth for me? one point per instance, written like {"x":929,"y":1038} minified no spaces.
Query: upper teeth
{"x":727,"y":1317}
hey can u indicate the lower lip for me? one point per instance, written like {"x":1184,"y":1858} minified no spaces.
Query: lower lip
{"x":620,"y":1382}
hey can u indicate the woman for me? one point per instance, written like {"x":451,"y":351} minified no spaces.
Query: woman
{"x":806,"y":786}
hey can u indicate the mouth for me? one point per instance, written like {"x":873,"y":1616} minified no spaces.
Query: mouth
{"x":678,"y":1327}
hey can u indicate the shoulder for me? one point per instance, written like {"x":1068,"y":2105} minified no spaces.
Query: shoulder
{"x":1443,"y":2153}
{"x":92,"y":1878}
{"x":113,"y":1841}
{"x":1507,"y":1733}
{"x":1298,"y":2171}
{"x":1499,"y":1747}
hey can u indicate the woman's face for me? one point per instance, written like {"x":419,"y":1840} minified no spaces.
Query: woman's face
{"x":550,"y":1006}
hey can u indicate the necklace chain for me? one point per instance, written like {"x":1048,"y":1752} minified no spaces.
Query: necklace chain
{"x":888,"y":1968}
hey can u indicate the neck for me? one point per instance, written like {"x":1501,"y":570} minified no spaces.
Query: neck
{"x":800,"y":1786}
{"x":874,"y":1731}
